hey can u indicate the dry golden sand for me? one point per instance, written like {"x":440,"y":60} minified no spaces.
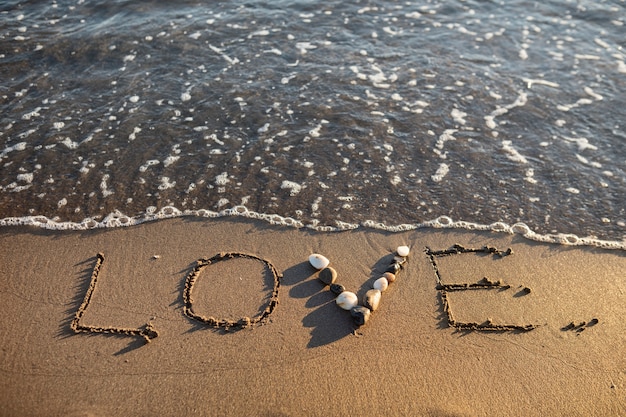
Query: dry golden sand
{"x":307,"y":358}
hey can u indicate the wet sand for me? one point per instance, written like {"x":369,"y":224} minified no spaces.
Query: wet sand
{"x":476,"y":330}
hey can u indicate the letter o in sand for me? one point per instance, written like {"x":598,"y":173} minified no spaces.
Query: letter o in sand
{"x":223,"y":323}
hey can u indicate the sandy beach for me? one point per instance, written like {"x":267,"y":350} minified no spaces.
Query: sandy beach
{"x":535,"y":331}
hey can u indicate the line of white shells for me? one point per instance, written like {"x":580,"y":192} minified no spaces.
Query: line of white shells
{"x":347,"y":299}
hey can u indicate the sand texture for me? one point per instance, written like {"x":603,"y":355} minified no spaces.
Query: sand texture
{"x":226,"y":317}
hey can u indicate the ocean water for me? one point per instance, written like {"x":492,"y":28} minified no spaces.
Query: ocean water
{"x":500,"y":115}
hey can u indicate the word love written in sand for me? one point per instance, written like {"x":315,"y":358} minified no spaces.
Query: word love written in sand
{"x":148,"y":332}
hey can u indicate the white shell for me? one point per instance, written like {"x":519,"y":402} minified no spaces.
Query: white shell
{"x":347,"y":300}
{"x":381,"y":284}
{"x":318,"y":261}
{"x":403,"y":251}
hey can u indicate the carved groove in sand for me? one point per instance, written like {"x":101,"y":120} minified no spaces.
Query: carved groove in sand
{"x":483,"y":284}
{"x":148,"y":332}
{"x":226,"y":324}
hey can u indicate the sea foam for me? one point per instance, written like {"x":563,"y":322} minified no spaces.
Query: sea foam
{"x":118,"y":219}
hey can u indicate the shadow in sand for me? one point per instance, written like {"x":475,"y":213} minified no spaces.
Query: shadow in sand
{"x":297,"y":277}
{"x":65,"y":327}
{"x":377,"y":271}
{"x":328,"y":322}
{"x":134,"y":345}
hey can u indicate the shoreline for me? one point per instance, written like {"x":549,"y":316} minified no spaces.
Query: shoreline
{"x":306,"y":357}
{"x":117,"y":219}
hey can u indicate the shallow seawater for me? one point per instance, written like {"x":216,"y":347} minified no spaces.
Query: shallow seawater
{"x":324,"y":112}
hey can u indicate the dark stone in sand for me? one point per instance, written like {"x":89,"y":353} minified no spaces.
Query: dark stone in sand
{"x":328,"y":275}
{"x":394,"y":268}
{"x":360,"y":315}
{"x":337,"y":288}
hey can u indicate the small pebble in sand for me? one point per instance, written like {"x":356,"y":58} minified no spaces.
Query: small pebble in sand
{"x":399,"y":260}
{"x":381,"y":284}
{"x":318,"y":261}
{"x":347,"y":300}
{"x":403,"y":251}
{"x":328,"y":275}
{"x":389,"y":276}
{"x":394,"y":268}
{"x":360,"y":315}
{"x":337,"y":288}
{"x":372,"y":299}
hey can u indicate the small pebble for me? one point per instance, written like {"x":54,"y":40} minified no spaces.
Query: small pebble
{"x":360,"y":315}
{"x":390,"y":277}
{"x":372,"y":299}
{"x":347,"y":300}
{"x":328,"y":275}
{"x":337,"y":288}
{"x":399,"y":260}
{"x":394,"y":268}
{"x":318,"y":261}
{"x":381,"y":284}
{"x":403,"y":251}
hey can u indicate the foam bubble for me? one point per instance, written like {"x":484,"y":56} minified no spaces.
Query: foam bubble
{"x":168,"y":212}
{"x":499,"y":227}
{"x":512,"y":153}
{"x":521,"y":228}
{"x":170,"y":160}
{"x":442,"y":171}
{"x":166,"y":183}
{"x":458,"y":116}
{"x":443,"y":221}
{"x":293,"y":187}
{"x":222,"y":179}
{"x":27,"y":177}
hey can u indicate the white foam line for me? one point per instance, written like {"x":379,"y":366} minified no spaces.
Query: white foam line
{"x":446,"y":136}
{"x":581,"y":101}
{"x":17,"y":147}
{"x":442,"y":171}
{"x":231,"y":61}
{"x":512,"y":153}
{"x":118,"y":219}
{"x":304,"y":47}
{"x":568,"y":107}
{"x":499,"y":111}
{"x":530,"y":81}
{"x":583,"y":143}
{"x":602,"y":43}
{"x":593,"y":94}
{"x":589,"y":57}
